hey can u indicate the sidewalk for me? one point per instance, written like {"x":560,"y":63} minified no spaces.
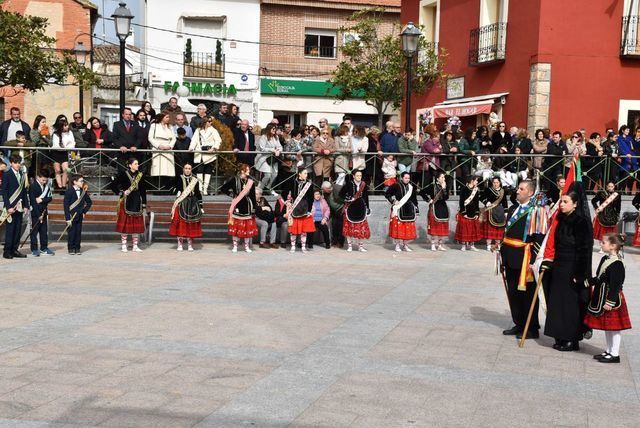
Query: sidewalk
{"x":273,"y":339}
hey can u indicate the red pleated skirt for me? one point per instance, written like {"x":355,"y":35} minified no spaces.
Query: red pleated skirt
{"x":302,"y":225}
{"x":599,"y":230}
{"x":467,"y":229}
{"x":615,"y":320}
{"x":246,"y":228}
{"x":184,"y":229}
{"x":636,"y":238}
{"x":437,"y":228}
{"x":403,"y":230}
{"x":129,"y":223}
{"x":489,"y":231}
{"x":355,"y":230}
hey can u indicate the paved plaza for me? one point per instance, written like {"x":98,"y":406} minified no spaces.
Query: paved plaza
{"x":270,"y":339}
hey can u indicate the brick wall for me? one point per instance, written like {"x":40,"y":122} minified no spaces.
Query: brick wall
{"x":286,"y":24}
{"x":69,"y":22}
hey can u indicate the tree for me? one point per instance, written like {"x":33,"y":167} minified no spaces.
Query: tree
{"x":218,"y":52}
{"x":188,"y":54}
{"x":29,"y":57}
{"x":374,"y":64}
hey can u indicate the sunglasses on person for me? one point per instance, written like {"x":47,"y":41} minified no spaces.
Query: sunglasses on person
{"x":77,"y":117}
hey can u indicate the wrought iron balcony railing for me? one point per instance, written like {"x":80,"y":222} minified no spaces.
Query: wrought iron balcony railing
{"x":203,"y":65}
{"x":629,"y":43}
{"x":488,"y":44}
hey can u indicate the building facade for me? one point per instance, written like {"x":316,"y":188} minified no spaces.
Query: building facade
{"x":201,"y":51}
{"x":532,"y":63}
{"x":70,"y":21}
{"x":299,"y":49}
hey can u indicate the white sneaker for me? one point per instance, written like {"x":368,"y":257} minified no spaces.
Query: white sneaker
{"x":304,"y":249}
{"x":407,"y":249}
{"x":293,"y":249}
{"x":247,"y":249}
{"x":233,"y":250}
{"x":473,"y":248}
{"x":464,"y":247}
{"x":398,"y":249}
{"x":190,"y":248}
{"x":433,"y":247}
{"x":442,"y":248}
{"x":124,"y":249}
{"x":180,"y":248}
{"x":362,"y":249}
{"x":349,"y":248}
{"x":136,"y":249}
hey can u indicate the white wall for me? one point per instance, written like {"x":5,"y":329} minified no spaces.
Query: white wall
{"x":242,"y":23}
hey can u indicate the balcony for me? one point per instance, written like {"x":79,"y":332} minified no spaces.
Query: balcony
{"x":203,"y":65}
{"x":629,"y":45}
{"x":315,"y":51}
{"x":488,"y":44}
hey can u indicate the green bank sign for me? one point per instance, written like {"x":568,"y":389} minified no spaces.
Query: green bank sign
{"x":298,"y":87}
{"x":202,"y":88}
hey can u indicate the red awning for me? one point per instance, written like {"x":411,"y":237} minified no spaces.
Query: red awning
{"x":462,"y":109}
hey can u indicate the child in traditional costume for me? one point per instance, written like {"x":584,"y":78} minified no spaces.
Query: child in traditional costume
{"x":404,"y":209}
{"x":607,"y":309}
{"x":356,"y":209}
{"x":438,"y":218}
{"x":299,"y":197}
{"x":468,"y":225}
{"x":186,"y":213}
{"x":242,"y":219}
{"x":607,"y":203}
{"x":132,"y":203}
{"x":493,"y":218}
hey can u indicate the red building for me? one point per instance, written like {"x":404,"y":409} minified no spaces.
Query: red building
{"x":561,"y":64}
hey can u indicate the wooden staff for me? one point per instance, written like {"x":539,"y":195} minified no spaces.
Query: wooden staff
{"x":533,"y":304}
{"x":34,"y":228}
{"x":68,"y":226}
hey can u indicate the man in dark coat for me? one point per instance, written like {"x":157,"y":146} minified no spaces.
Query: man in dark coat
{"x":126,"y":136}
{"x":244,"y":141}
{"x":516,"y":245}
{"x":15,"y":198}
{"x":8,"y":128}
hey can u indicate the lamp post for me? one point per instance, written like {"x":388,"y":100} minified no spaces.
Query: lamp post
{"x":122,"y":18}
{"x":410,"y":36}
{"x":81,"y":57}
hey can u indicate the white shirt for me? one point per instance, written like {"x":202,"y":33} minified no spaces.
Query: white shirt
{"x":68,"y":141}
{"x":13,"y":128}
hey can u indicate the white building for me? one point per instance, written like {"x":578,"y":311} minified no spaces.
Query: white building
{"x":222,"y":64}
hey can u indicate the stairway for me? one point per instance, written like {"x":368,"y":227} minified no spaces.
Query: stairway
{"x":99,"y":224}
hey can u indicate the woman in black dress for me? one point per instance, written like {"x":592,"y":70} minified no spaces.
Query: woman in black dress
{"x":566,"y":294}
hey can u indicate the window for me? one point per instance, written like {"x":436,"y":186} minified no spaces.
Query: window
{"x":320,"y":43}
{"x":630,"y":40}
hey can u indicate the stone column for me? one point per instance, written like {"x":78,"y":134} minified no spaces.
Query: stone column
{"x":539,"y":97}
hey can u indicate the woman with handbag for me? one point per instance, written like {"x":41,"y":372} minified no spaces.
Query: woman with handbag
{"x":607,"y":308}
{"x":205,"y":139}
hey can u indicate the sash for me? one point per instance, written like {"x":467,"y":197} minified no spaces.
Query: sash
{"x":5,"y":216}
{"x":134,"y":186}
{"x":75,"y":203}
{"x":357,"y":195}
{"x":602,"y":207}
{"x":295,"y":203}
{"x":238,"y":198}
{"x":494,"y":205}
{"x":396,"y":207}
{"x":525,"y":273}
{"x":471,"y":196}
{"x":436,"y":198}
{"x":186,"y":192}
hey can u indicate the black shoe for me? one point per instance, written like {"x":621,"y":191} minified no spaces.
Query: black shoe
{"x":72,"y":252}
{"x":512,"y":331}
{"x":569,"y":346}
{"x":530,"y":335}
{"x":327,"y":246}
{"x":7,"y":256}
{"x":283,"y":245}
{"x":18,"y":255}
{"x":78,"y":253}
{"x":310,"y":247}
{"x":609,"y":359}
{"x":600,"y":356}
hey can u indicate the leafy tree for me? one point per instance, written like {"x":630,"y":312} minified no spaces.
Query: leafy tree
{"x":374,"y":64}
{"x":29,"y":57}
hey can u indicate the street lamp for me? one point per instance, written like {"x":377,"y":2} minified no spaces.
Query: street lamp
{"x":81,"y":58}
{"x":410,"y":36}
{"x":122,"y":18}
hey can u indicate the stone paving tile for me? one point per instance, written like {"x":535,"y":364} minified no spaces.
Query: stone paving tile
{"x":392,"y":340}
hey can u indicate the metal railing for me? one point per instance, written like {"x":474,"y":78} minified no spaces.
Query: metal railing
{"x":203,"y":65}
{"x":629,"y":44}
{"x":100,"y":165}
{"x":488,"y":44}
{"x":316,"y":51}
